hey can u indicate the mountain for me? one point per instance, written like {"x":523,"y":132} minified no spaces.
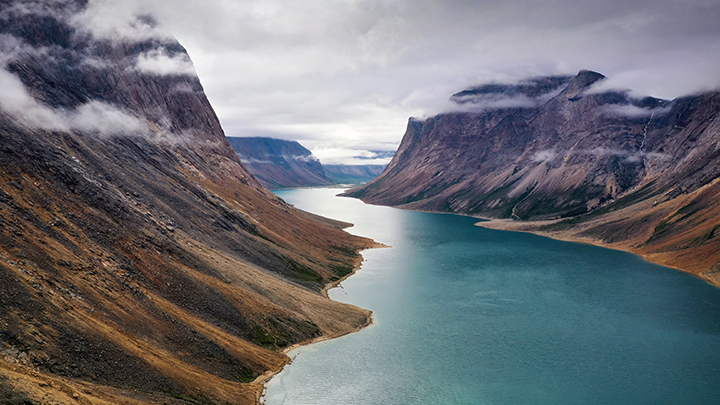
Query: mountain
{"x":553,"y":156}
{"x":140,"y":262}
{"x":352,"y":174}
{"x":277,"y":163}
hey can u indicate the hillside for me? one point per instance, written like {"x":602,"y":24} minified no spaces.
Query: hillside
{"x":550,"y":155}
{"x":139,"y":261}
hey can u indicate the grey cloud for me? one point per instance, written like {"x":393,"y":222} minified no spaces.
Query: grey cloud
{"x":347,"y":75}
{"x":332,"y":155}
{"x":159,"y":62}
{"x":308,"y":158}
{"x":104,"y":119}
{"x":477,"y":103}
{"x":631,"y":111}
{"x":545,"y":155}
{"x":93,"y":117}
{"x":630,"y":156}
{"x":321,"y":77}
{"x":255,"y":161}
{"x":482,"y":102}
{"x":118,"y":21}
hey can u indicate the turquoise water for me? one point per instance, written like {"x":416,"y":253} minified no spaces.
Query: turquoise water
{"x":467,"y":315}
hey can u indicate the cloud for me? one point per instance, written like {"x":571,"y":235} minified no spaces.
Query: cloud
{"x":544,"y":155}
{"x":631,"y":111}
{"x":350,"y":73}
{"x":93,"y":117}
{"x":119,"y":21}
{"x":253,"y":161}
{"x":478,"y":103}
{"x":301,"y":158}
{"x":159,"y":62}
{"x":344,"y":156}
{"x":353,"y":72}
{"x":306,"y":159}
{"x":629,"y":155}
{"x":102,"y":118}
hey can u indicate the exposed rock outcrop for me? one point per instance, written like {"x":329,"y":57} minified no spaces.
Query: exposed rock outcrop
{"x":604,"y":167}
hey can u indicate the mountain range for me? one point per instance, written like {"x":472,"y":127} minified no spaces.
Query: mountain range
{"x":561,"y":157}
{"x":278,"y":163}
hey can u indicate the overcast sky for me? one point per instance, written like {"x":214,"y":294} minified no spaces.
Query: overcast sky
{"x":343,"y":76}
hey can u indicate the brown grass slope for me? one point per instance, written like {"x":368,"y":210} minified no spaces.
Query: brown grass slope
{"x":635,"y":174}
{"x":144,"y":266}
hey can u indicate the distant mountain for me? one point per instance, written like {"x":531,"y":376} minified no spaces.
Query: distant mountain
{"x":277,"y":163}
{"x":561,"y":159}
{"x":352,"y":174}
{"x":140,"y":262}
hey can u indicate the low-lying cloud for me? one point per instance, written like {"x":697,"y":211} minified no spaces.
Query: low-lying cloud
{"x":632,"y":111}
{"x":158,"y":62}
{"x":119,"y":21}
{"x":545,"y":155}
{"x":352,"y":72}
{"x":93,"y":117}
{"x":351,"y":157}
{"x":304,"y":158}
{"x":630,"y":156}
{"x":485,"y":102}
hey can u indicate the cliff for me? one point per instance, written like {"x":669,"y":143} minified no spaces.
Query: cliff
{"x":140,"y":262}
{"x":277,"y":163}
{"x":552,"y":156}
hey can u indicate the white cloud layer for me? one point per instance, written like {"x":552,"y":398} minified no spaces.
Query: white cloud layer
{"x":160,"y":63}
{"x":631,"y":111}
{"x":349,"y":73}
{"x":93,"y":117}
{"x":346,"y":156}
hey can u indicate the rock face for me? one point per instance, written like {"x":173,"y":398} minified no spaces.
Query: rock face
{"x":139,"y":260}
{"x":277,"y":163}
{"x":638,"y":174}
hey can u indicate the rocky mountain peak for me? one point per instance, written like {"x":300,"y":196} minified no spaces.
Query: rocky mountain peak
{"x":530,"y":88}
{"x":580,"y":83}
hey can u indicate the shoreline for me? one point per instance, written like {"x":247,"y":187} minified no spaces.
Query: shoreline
{"x":525,"y":227}
{"x":263,"y":379}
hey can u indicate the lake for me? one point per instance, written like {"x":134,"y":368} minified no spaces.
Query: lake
{"x":467,"y":315}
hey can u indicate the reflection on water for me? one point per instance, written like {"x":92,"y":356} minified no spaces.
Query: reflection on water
{"x":467,"y":315}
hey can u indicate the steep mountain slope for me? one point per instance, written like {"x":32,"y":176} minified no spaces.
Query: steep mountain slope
{"x":139,"y":261}
{"x":277,"y":163}
{"x":636,"y":174}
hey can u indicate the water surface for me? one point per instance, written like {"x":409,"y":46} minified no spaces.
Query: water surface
{"x":467,"y":315}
